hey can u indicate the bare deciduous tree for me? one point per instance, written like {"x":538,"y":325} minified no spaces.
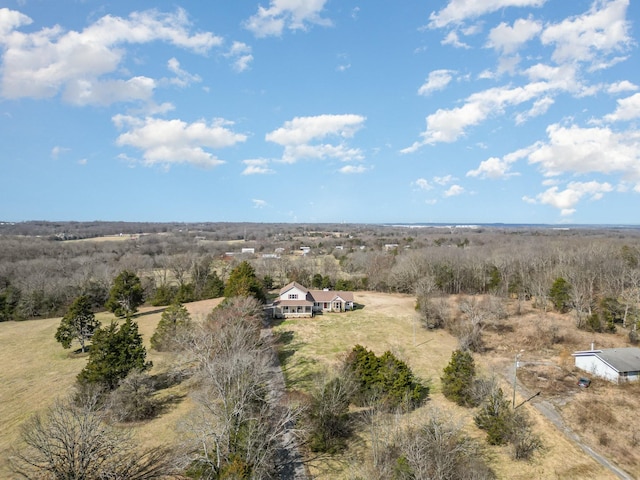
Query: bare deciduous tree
{"x":240,"y":426}
{"x":71,"y":442}
{"x":440,"y":449}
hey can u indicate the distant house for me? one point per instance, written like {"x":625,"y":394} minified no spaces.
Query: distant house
{"x":617,"y":365}
{"x":294,"y":300}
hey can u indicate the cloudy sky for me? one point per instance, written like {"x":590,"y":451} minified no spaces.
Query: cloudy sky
{"x":515,"y":111}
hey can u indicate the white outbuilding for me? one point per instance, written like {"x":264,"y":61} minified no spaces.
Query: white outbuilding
{"x":617,"y":365}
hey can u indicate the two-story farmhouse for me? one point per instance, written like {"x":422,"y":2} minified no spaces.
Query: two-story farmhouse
{"x":294,"y":300}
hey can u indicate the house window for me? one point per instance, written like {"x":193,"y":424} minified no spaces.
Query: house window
{"x":293,"y":296}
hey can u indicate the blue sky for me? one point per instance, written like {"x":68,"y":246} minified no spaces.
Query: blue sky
{"x":514,"y":111}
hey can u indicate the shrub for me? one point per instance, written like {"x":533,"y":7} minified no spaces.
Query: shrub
{"x":458,"y":378}
{"x":163,"y":295}
{"x":440,"y":449}
{"x":385,"y":378}
{"x":496,"y":418}
{"x":133,"y":399}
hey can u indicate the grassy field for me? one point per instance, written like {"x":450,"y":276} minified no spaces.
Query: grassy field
{"x":387,"y":322}
{"x":36,"y":370}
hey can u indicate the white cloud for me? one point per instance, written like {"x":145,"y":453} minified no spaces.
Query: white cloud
{"x":539,"y":107}
{"x":257,"y":203}
{"x":182,"y":78}
{"x":256,"y":166}
{"x":351,"y":169}
{"x":57,"y":151}
{"x":584,"y":38}
{"x":281,"y":14}
{"x":627,"y":109}
{"x":508,"y":39}
{"x":423,"y":184}
{"x":453,"y":40}
{"x":454,"y":190}
{"x":448,"y":125}
{"x":457,"y":11}
{"x":90,"y":92}
{"x":493,"y":168}
{"x":167,"y":142}
{"x":437,"y":80}
{"x":240,"y":53}
{"x":297,"y":135}
{"x":10,"y":20}
{"x":588,"y":150}
{"x":44,"y":63}
{"x":302,"y":130}
{"x":444,"y":180}
{"x":566,"y":200}
{"x":623,"y":86}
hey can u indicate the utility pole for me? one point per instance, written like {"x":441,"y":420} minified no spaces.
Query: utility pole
{"x":515,"y":378}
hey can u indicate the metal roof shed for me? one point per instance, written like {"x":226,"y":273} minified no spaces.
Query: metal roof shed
{"x":617,"y":365}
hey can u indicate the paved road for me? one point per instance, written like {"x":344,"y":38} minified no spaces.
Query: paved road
{"x":550,"y":412}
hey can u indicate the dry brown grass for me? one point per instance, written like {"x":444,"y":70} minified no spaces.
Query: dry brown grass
{"x":605,"y":415}
{"x":388,"y":323}
{"x":36,"y":370}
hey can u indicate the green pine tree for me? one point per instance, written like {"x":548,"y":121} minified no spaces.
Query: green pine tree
{"x":560,"y":294}
{"x":116,"y":351}
{"x":496,"y":418}
{"x":458,"y":377}
{"x":126,"y":294}
{"x":386,"y":379}
{"x":244,"y":283}
{"x":79,"y":323}
{"x":174,"y":320}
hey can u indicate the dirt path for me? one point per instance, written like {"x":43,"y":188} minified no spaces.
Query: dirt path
{"x":550,"y":412}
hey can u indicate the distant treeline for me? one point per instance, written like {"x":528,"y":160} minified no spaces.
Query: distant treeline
{"x":40,"y":275}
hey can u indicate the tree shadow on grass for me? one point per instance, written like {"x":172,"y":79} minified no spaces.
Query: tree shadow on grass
{"x":150,"y":312}
{"x":286,"y":347}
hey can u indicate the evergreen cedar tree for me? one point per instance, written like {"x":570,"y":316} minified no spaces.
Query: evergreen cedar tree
{"x":458,"y":377}
{"x":116,"y":351}
{"x":560,"y":294}
{"x":244,"y":283}
{"x":126,"y":294}
{"x":496,"y":418}
{"x":174,"y":320}
{"x":386,"y":379}
{"x":79,"y":323}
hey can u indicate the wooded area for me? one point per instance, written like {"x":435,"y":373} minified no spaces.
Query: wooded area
{"x":41,"y":275}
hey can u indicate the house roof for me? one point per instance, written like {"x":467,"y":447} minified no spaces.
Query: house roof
{"x":620,"y":359}
{"x":291,"y":285}
{"x":330,"y":295}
